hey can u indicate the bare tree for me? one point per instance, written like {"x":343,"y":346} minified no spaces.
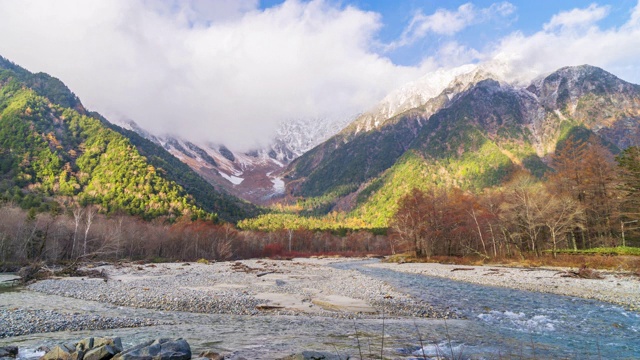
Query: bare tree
{"x":77,"y":218}
{"x":561,"y":214}
{"x":520,"y":212}
{"x":89,"y":215}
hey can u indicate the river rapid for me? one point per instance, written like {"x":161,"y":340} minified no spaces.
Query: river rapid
{"x":499,"y":323}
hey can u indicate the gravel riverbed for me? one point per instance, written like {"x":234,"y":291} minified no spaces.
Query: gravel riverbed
{"x":16,"y":322}
{"x":248,"y":287}
{"x":615,"y":287}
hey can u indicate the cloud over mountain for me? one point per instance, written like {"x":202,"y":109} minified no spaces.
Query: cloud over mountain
{"x":230,"y":71}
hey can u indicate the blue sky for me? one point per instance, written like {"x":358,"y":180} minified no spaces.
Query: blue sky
{"x":528,"y":17}
{"x":230,"y":71}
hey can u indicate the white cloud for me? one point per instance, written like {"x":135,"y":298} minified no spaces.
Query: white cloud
{"x":615,"y":49}
{"x":569,"y":38}
{"x":227,"y":72}
{"x":219,"y":71}
{"x":577,"y":17}
{"x":447,"y":22}
{"x":635,"y":16}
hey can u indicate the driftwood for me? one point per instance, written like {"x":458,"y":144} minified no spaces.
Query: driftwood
{"x":13,"y":281}
{"x":268,"y":307}
{"x":582,"y":273}
{"x":461,"y":269}
{"x":40,"y":271}
{"x":240,"y":267}
{"x":265,"y":273}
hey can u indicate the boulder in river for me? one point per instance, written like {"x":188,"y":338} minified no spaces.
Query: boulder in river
{"x":97,"y":348}
{"x":8,"y":352}
{"x":160,"y":349}
{"x":115,"y":342}
{"x":57,"y":353}
{"x":103,"y":352}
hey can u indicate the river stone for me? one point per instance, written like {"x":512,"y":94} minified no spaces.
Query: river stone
{"x":160,"y":349}
{"x":315,"y":355}
{"x":211,"y":355}
{"x":85,"y":344}
{"x":57,"y":353}
{"x":116,"y":342}
{"x":68,"y":347}
{"x":104,"y":352}
{"x":77,"y":355}
{"x":8,"y":352}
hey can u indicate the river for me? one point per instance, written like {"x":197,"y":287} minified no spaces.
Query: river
{"x":499,"y":323}
{"x":544,"y":325}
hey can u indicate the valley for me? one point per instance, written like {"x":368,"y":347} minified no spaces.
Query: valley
{"x":319,"y":179}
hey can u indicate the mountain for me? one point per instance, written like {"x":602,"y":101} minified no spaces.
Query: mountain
{"x":253,"y":175}
{"x":372,"y":143}
{"x":474,"y":134}
{"x":53,"y":151}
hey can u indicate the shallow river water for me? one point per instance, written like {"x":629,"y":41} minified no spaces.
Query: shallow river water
{"x":500,"y":324}
{"x":545,"y":325}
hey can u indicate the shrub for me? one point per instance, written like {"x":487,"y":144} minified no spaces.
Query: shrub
{"x":271,"y":250}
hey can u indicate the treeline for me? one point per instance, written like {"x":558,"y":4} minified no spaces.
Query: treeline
{"x":85,"y":234}
{"x":584,"y":203}
{"x":339,"y":223}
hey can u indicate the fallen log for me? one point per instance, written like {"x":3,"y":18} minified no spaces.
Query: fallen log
{"x":265,"y":273}
{"x":268,"y":307}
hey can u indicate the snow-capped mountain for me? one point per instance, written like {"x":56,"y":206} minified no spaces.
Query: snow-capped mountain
{"x":418,"y":93}
{"x":295,"y":137}
{"x":409,"y":96}
{"x":522,"y":123}
{"x":251,"y":175}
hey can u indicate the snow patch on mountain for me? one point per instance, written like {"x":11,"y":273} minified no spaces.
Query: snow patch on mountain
{"x":233,"y":179}
{"x":409,"y":96}
{"x":278,"y":184}
{"x":297,"y":136}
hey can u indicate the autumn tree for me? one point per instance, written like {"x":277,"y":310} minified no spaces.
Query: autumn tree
{"x":587,"y":172}
{"x":629,"y":162}
{"x":410,"y":222}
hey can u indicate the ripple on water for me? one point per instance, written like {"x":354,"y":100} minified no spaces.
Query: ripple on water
{"x":563,"y":326}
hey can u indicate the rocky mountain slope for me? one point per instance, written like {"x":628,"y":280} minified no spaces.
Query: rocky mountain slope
{"x":372,"y":143}
{"x":252,"y":175}
{"x":474,"y":134}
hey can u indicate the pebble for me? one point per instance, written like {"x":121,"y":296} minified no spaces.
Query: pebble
{"x":18,"y":322}
{"x":617,"y":288}
{"x":191,"y":289}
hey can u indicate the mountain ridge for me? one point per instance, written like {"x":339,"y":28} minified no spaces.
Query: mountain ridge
{"x":480,"y":131}
{"x":70,"y":155}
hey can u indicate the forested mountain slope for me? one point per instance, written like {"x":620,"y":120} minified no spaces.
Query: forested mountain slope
{"x":53,"y":152}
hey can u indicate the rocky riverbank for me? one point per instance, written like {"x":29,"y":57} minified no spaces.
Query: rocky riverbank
{"x":614,"y":287}
{"x":111,"y":348}
{"x":249,"y":287}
